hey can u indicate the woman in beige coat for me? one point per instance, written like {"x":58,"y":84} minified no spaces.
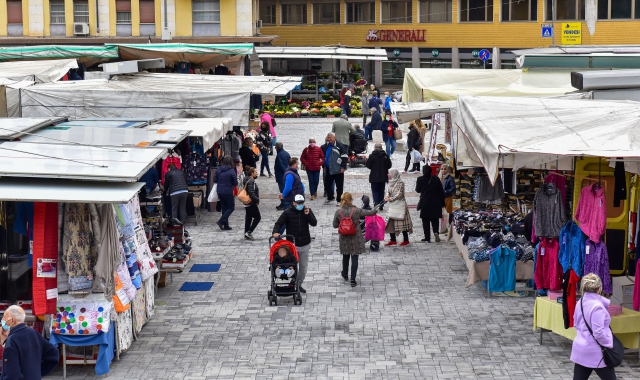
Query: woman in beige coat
{"x":395,"y":193}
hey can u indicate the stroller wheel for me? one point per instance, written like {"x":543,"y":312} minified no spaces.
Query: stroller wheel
{"x":297,"y":300}
{"x":275,"y":300}
{"x":270,"y":301}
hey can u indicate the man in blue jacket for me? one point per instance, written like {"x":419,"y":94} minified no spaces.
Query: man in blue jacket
{"x":280,"y":166}
{"x":27,"y":355}
{"x":292,"y":183}
{"x":335,"y":164}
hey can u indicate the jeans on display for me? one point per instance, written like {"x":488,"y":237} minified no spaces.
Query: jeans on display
{"x":433,"y":223}
{"x":338,"y":179}
{"x":583,"y":373}
{"x":377,"y":192}
{"x":367,"y":132}
{"x":354,"y":266}
{"x":179,"y":206}
{"x":314,"y":180}
{"x":265,"y":163}
{"x":303,"y":263}
{"x":251,"y":218}
{"x":405,"y":236}
{"x":228,"y":206}
{"x":391,"y":146}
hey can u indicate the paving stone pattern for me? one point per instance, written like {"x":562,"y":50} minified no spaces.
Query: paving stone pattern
{"x":410,"y":317}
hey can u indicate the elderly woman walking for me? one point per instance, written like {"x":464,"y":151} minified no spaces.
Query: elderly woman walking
{"x":351,"y":239}
{"x":395,"y":198}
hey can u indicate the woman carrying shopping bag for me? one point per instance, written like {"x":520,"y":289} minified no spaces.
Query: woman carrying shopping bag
{"x":399,"y":219}
{"x":347,"y":221}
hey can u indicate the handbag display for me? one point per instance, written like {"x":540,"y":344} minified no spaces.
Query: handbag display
{"x":213,"y":195}
{"x":243,"y":196}
{"x":612,"y":356}
{"x":396,"y":210}
{"x":397,"y":134}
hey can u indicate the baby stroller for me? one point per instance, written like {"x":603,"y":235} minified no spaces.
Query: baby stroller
{"x":290,"y":288}
{"x":375,"y":245}
{"x":357,"y":150}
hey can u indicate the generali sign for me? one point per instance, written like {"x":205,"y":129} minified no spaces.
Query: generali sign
{"x":397,"y":35}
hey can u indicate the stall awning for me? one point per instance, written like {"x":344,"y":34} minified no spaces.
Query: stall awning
{"x":12,"y":128}
{"x":538,"y":131}
{"x":405,"y":112}
{"x":194,"y":53}
{"x":21,"y":159}
{"x":96,"y":136}
{"x":38,"y":71}
{"x":65,"y":191}
{"x":321,"y":53}
{"x":57,"y":52}
{"x":97,"y":123}
{"x":211,"y":130}
{"x":577,"y":61}
{"x":422,"y":85}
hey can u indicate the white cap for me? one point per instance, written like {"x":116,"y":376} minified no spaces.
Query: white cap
{"x":299,"y":198}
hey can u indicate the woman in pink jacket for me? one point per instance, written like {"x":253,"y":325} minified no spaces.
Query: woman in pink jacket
{"x":592,"y":309}
{"x":266,"y":117}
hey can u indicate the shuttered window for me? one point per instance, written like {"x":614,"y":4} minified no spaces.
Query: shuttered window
{"x":147,"y":12}
{"x":56,"y":8}
{"x":123,"y":11}
{"x":14,"y":12}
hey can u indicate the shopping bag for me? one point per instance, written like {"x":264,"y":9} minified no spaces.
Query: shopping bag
{"x":213,"y":195}
{"x":243,"y":196}
{"x":374,"y":228}
{"x":396,"y":210}
{"x":416,"y":157}
{"x":444,"y":222}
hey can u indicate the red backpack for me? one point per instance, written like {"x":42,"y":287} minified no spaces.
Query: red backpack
{"x":346,"y":226}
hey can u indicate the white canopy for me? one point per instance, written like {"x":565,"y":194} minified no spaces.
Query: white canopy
{"x":535,"y":131}
{"x":422,"y":85}
{"x":210,"y":129}
{"x":405,"y":112}
{"x":65,"y":191}
{"x":12,"y":128}
{"x":38,"y":71}
{"x":321,"y":53}
{"x":151,"y":96}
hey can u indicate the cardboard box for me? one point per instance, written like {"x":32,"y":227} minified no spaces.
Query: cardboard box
{"x":623,"y":289}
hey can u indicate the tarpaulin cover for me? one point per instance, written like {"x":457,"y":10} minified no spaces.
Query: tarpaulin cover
{"x":211,"y":130}
{"x":421,"y":85}
{"x":38,"y":71}
{"x":534,"y":131}
{"x":194,"y":53}
{"x":57,"y":51}
{"x":152,"y":96}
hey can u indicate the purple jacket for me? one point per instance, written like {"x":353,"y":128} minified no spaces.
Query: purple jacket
{"x":596,"y":260}
{"x":585,"y":350}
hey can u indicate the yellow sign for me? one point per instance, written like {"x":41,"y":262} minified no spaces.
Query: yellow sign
{"x":571,"y":33}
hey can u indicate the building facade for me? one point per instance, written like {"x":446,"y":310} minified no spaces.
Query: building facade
{"x":444,"y":33}
{"x":79,"y":20}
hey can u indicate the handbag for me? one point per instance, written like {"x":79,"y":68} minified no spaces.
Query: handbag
{"x":612,"y":356}
{"x":397,"y":210}
{"x":397,"y":134}
{"x":243,"y":196}
{"x":213,"y":195}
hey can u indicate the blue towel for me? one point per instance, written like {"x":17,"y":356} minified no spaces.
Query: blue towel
{"x":106,"y":341}
{"x":205,"y":268}
{"x":196,"y":286}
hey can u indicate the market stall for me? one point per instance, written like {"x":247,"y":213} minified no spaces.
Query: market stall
{"x":37,"y":71}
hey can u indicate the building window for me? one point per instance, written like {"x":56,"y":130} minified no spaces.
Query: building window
{"x":206,"y":11}
{"x":520,"y":10}
{"x":396,"y":12}
{"x":294,"y":14}
{"x":617,"y":9}
{"x":268,"y":14}
{"x":326,"y":13}
{"x":123,"y":11}
{"x":435,"y":11}
{"x":361,"y":13}
{"x":147,"y":12}
{"x":566,"y":10}
{"x":56,"y":12}
{"x":476,"y":10}
{"x":14,"y":12}
{"x":81,"y":11}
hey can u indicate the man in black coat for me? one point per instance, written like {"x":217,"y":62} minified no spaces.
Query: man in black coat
{"x":379,"y":163}
{"x":298,"y":217}
{"x":431,"y":202}
{"x":247,"y":156}
{"x":27,"y":355}
{"x":177,"y":187}
{"x":413,"y":143}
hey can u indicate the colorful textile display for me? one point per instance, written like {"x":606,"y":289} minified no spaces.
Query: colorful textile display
{"x":82,"y":316}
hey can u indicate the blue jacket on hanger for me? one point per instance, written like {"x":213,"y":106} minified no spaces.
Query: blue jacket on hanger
{"x":572,"y":251}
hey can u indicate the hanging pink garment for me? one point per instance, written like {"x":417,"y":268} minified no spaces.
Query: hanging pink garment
{"x":591,"y":212}
{"x":165,"y":166}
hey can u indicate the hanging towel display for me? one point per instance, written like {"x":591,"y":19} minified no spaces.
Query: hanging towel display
{"x":591,"y":212}
{"x":109,"y":254}
{"x":45,"y":257}
{"x":548,"y":272}
{"x":572,"y":245}
{"x":79,"y":244}
{"x":596,"y":260}
{"x":549,"y":214}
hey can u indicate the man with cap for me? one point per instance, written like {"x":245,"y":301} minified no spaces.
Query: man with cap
{"x":297,"y":219}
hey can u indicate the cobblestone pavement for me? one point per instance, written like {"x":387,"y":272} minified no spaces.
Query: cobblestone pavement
{"x":410,"y":317}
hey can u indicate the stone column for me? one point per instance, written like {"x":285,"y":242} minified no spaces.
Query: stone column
{"x":495,"y":59}
{"x":455,"y":58}
{"x":377,"y":68}
{"x":415,"y":57}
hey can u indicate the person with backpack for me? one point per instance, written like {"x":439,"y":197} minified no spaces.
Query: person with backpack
{"x":347,"y":221}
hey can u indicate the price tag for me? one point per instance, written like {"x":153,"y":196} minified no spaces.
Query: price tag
{"x":587,"y":249}
{"x":542,"y":251}
{"x":52,"y":293}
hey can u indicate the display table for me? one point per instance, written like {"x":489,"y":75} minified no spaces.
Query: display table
{"x":547,"y":316}
{"x":480,"y":271}
{"x":106,"y":342}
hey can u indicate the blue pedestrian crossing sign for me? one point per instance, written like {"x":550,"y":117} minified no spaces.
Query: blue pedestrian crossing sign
{"x":547,"y":32}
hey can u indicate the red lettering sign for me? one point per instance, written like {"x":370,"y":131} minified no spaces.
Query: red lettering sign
{"x":394,"y":35}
